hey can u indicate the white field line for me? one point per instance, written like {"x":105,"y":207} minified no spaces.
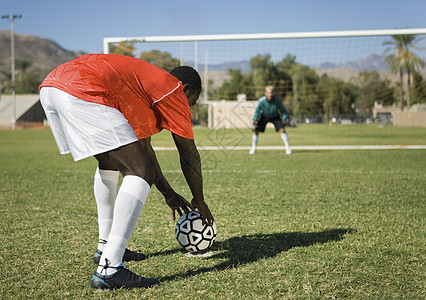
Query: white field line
{"x":300,"y":171}
{"x":343,"y":147}
{"x":364,"y":147}
{"x":178,"y":171}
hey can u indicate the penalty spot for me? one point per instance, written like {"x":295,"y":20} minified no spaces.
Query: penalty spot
{"x":201,"y":254}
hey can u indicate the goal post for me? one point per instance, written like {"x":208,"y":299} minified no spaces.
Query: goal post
{"x":346,"y":60}
{"x":261,"y":36}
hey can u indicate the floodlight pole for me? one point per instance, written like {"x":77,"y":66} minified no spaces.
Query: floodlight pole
{"x":12,"y":57}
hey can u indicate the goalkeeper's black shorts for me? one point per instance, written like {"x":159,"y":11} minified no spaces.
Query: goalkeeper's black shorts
{"x":261,"y":124}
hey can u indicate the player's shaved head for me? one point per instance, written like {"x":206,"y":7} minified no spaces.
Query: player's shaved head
{"x":186,"y":74}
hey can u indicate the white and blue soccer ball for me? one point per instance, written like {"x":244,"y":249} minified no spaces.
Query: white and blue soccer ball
{"x":192,"y":235}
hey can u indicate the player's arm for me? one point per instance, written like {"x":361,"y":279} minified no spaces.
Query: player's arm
{"x":191,"y":167}
{"x":256,"y":116}
{"x":282,"y":109}
{"x":285,"y":117}
{"x":257,"y":113}
{"x":173,"y":200}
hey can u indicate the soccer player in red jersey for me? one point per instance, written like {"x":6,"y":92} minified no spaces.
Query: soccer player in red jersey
{"x":108,"y":106}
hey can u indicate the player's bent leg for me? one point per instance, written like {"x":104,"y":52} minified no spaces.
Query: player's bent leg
{"x":279,"y":126}
{"x":130,"y":201}
{"x":136,"y":168}
{"x":105,"y":188}
{"x":284,"y":137}
{"x":254,"y":139}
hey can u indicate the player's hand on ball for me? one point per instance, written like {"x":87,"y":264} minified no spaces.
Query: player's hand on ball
{"x":204,"y":210}
{"x":179,"y":204}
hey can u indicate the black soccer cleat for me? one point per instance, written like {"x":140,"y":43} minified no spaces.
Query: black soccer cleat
{"x":123,"y":278}
{"x":129,"y":255}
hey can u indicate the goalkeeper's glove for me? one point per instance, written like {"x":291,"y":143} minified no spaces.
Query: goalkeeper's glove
{"x":254,"y":126}
{"x":288,"y":122}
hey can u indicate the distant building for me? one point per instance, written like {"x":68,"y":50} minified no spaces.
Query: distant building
{"x":29,"y":112}
{"x":413,"y":117}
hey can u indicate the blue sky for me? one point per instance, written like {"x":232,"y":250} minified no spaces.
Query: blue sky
{"x":82,"y":25}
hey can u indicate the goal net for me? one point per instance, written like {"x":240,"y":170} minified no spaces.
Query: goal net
{"x":339,"y":76}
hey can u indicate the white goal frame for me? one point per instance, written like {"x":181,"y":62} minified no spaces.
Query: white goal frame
{"x":251,"y":36}
{"x":259,"y":36}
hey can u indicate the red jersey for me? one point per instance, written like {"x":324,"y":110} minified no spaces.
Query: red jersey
{"x":150,"y":98}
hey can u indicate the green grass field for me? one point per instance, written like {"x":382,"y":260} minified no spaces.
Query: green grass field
{"x":342,"y":224}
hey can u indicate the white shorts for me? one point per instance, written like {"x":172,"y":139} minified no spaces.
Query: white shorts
{"x":84,"y":128}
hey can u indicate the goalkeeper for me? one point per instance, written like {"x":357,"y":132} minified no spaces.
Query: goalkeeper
{"x":270,"y":109}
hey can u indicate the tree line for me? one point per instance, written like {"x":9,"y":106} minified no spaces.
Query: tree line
{"x":27,"y":80}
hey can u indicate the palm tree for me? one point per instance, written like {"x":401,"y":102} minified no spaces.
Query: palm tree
{"x":396,"y":67}
{"x":414,"y":63}
{"x":403,"y":60}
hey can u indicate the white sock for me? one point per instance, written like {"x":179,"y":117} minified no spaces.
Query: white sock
{"x":128,"y":206}
{"x":254,"y":140}
{"x":284,"y":137}
{"x":105,"y":188}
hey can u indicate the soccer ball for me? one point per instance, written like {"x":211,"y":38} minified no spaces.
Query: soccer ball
{"x":192,"y":235}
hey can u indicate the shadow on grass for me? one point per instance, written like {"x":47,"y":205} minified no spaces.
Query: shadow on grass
{"x":247,"y":249}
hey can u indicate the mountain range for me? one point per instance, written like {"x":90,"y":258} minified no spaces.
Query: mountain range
{"x":370,"y":63}
{"x":43,"y":54}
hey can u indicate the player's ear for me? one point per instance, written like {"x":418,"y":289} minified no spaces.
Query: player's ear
{"x":186,"y":88}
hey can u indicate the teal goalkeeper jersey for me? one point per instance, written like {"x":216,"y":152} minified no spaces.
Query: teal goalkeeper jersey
{"x":270,"y":110}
